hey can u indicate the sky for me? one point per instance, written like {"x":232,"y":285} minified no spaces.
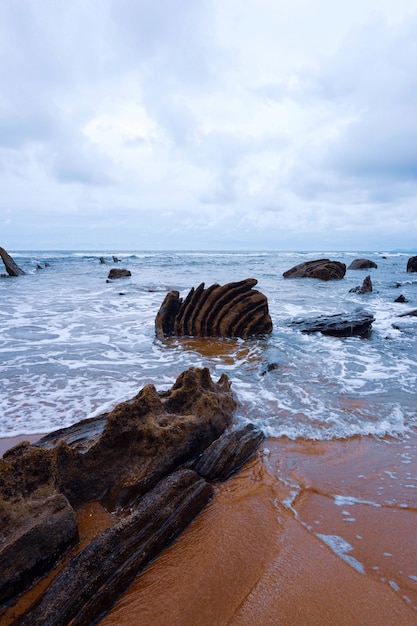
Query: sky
{"x":208,"y":125}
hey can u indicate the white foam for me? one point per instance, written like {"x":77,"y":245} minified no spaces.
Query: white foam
{"x":341,"y":548}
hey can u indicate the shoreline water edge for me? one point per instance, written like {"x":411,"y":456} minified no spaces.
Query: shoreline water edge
{"x":317,"y":526}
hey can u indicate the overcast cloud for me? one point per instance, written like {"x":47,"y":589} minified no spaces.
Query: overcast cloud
{"x":208,"y":124}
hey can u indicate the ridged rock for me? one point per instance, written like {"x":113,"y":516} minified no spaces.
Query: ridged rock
{"x":362,"y":264}
{"x":231,"y":310}
{"x":11,"y":267}
{"x":228,"y":453}
{"x":91,"y":581}
{"x":412,"y":264}
{"x":323,"y":269}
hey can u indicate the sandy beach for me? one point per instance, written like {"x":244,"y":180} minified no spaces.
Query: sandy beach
{"x":264,"y":551}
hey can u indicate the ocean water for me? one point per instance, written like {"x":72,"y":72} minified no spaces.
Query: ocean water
{"x":73,"y":345}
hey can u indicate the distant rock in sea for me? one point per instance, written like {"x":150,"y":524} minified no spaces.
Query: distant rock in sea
{"x":323,"y":269}
{"x":362,"y":264}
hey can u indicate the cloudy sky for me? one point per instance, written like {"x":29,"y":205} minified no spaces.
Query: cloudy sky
{"x":208,"y":124}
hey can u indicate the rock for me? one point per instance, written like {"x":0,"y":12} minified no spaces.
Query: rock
{"x":118,"y":273}
{"x":228,"y":453}
{"x":102,"y":260}
{"x":115,"y":459}
{"x":11,"y":267}
{"x":409,"y":314}
{"x":324,"y":269}
{"x":38,"y":524}
{"x":401,"y":298}
{"x":362,"y":264}
{"x":412,"y":264}
{"x":231,"y":310}
{"x":366,"y":287}
{"x":337,"y":325}
{"x":115,"y":259}
{"x":89,"y":583}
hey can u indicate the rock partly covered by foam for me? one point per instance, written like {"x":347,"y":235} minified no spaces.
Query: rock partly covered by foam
{"x":362,"y":264}
{"x":412,"y":264}
{"x":231,"y":310}
{"x":323,"y":269}
{"x":365,"y":288}
{"x":11,"y":267}
{"x":338,"y":325}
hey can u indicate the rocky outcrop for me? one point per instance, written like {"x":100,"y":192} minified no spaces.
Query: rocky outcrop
{"x":412,"y":264}
{"x":11,"y":267}
{"x":323,"y":269}
{"x":225,"y":455}
{"x":116,"y":459}
{"x":118,"y":273}
{"x":362,"y":264}
{"x":337,"y":325}
{"x":90,"y":582}
{"x":401,"y":298}
{"x":231,"y":310}
{"x":366,"y":287}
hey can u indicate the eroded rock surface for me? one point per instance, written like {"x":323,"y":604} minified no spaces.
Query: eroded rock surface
{"x":231,"y":310}
{"x":323,"y":269}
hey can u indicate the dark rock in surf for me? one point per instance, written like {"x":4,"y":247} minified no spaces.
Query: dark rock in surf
{"x":366,"y":287}
{"x":116,"y":260}
{"x":412,"y":264}
{"x":102,"y":260}
{"x":11,"y":267}
{"x":362,"y":264}
{"x":401,"y":298}
{"x":323,"y":269}
{"x":228,"y":453}
{"x":337,"y":325}
{"x":231,"y":310}
{"x":118,"y":273}
{"x":409,"y":314}
{"x":91,"y":581}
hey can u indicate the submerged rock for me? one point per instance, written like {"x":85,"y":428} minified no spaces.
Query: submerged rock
{"x":11,"y":267}
{"x":323,"y":269}
{"x":231,"y":310}
{"x":337,"y":325}
{"x":362,"y":264}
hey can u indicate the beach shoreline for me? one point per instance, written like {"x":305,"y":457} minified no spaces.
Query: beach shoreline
{"x":260,"y":551}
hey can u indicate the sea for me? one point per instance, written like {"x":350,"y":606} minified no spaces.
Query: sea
{"x":73,"y":344}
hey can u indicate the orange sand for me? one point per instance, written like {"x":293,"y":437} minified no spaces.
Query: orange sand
{"x":253,"y":556}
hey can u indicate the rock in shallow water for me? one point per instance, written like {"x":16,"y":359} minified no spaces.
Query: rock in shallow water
{"x":337,"y":325}
{"x":323,"y":269}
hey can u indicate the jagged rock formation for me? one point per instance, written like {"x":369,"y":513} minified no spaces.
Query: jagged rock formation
{"x":362,"y":264}
{"x":118,"y":273}
{"x":129,"y":460}
{"x":337,"y":325}
{"x":366,"y":287}
{"x":323,"y":269}
{"x":231,"y":310}
{"x":11,"y":267}
{"x":412,"y":264}
{"x":401,"y":298}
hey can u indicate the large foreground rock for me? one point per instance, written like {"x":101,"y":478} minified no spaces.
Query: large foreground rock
{"x":362,"y":264}
{"x":337,"y":325}
{"x":11,"y":267}
{"x":323,"y":269}
{"x":115,"y":459}
{"x":412,"y":264}
{"x":231,"y":310}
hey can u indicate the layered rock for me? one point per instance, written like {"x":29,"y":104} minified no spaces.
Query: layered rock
{"x":362,"y":264}
{"x":11,"y":267}
{"x":323,"y":269}
{"x":231,"y":310}
{"x":412,"y":264}
{"x":337,"y":325}
{"x":128,"y":460}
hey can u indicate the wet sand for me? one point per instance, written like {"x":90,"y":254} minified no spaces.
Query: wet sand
{"x":306,"y":533}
